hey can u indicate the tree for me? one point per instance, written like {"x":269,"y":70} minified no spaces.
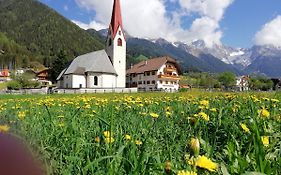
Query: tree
{"x":58,"y":65}
{"x":261,"y":83}
{"x":227,"y":79}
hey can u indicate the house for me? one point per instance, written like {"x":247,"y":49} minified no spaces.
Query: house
{"x":5,"y":75}
{"x":42,"y":74}
{"x":100,"y":69}
{"x":160,"y":74}
{"x":242,"y":83}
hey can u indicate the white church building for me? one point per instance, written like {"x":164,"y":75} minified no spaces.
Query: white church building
{"x":103,"y":69}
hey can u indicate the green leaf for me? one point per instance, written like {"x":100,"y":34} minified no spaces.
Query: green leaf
{"x":253,"y":173}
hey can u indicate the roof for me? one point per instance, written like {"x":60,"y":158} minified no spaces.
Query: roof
{"x":91,"y":62}
{"x":116,"y":19}
{"x":152,"y":64}
{"x":61,"y":74}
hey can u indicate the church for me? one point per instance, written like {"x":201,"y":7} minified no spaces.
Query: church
{"x":103,"y":69}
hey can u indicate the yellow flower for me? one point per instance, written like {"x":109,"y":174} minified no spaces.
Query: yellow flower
{"x":206,"y":163}
{"x":183,"y":172}
{"x":109,"y":139}
{"x":138,"y":142}
{"x":107,"y":134}
{"x":168,"y":167}
{"x":204,"y":116}
{"x":245,"y":128}
{"x":265,"y":140}
{"x":97,"y":139}
{"x":195,"y":146}
{"x":21,"y":115}
{"x":204,"y":103}
{"x":154,"y":115}
{"x":168,"y":114}
{"x":128,"y":137}
{"x":4,"y":128}
{"x":264,"y":113}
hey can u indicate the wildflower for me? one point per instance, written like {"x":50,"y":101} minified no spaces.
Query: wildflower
{"x":168,"y":114}
{"x":183,"y":172}
{"x":128,"y":137}
{"x":264,"y":113}
{"x":4,"y":128}
{"x":138,"y":142}
{"x":109,"y":139}
{"x":154,"y":115}
{"x":204,"y":103}
{"x":245,"y":128}
{"x":274,"y":100}
{"x":97,"y":139}
{"x":204,"y":116}
{"x":206,"y":163}
{"x":168,"y":167}
{"x":21,"y":115}
{"x":195,"y":146}
{"x":265,"y":140}
{"x":107,"y":134}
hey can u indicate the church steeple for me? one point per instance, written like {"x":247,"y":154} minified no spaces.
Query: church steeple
{"x":116,"y":19}
{"x":116,"y":45}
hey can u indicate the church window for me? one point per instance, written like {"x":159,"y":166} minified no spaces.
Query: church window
{"x":95,"y":80}
{"x":119,"y":32}
{"x":119,"y":42}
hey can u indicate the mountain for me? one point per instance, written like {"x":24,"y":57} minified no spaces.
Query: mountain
{"x":44,"y":32}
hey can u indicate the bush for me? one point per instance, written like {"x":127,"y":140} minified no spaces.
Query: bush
{"x":14,"y":85}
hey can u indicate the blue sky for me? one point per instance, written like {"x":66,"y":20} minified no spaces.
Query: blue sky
{"x":238,"y":25}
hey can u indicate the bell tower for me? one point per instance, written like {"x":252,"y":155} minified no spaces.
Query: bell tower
{"x":116,"y":45}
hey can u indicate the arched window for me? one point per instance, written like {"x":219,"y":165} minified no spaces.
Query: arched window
{"x":95,"y":80}
{"x":119,"y":42}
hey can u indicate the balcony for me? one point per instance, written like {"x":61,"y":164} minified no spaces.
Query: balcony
{"x":172,"y":77}
{"x":170,"y":69}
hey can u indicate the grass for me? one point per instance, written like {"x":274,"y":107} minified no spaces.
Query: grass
{"x":149,"y":131}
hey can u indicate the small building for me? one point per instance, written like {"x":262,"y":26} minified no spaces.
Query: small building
{"x":157,"y":74}
{"x":42,"y":74}
{"x":5,"y":75}
{"x":242,"y":83}
{"x":103,"y":69}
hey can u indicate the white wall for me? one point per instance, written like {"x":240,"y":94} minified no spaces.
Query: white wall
{"x":118,"y":56}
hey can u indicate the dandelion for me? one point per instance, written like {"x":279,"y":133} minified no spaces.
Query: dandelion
{"x":265,"y":140}
{"x":154,"y":115}
{"x":107,"y":134}
{"x":184,"y":172}
{"x":245,"y":128}
{"x":204,"y":103}
{"x":138,"y":142}
{"x":206,"y":163}
{"x":264,"y":113}
{"x":168,"y":114}
{"x":97,"y":139}
{"x":109,"y":140}
{"x":4,"y":128}
{"x":195,"y":146}
{"x":204,"y":116}
{"x":168,"y":167}
{"x":128,"y":137}
{"x":21,"y":115}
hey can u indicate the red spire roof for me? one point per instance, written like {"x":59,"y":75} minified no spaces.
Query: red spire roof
{"x":116,"y":19}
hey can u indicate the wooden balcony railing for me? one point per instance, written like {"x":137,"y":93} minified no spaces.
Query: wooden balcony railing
{"x":173,"y":77}
{"x":170,"y":69}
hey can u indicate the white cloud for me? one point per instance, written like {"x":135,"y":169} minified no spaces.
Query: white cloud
{"x":270,"y":34}
{"x":91,"y":25}
{"x":149,"y":19}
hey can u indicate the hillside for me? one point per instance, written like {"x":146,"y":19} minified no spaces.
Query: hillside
{"x":43,"y":31}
